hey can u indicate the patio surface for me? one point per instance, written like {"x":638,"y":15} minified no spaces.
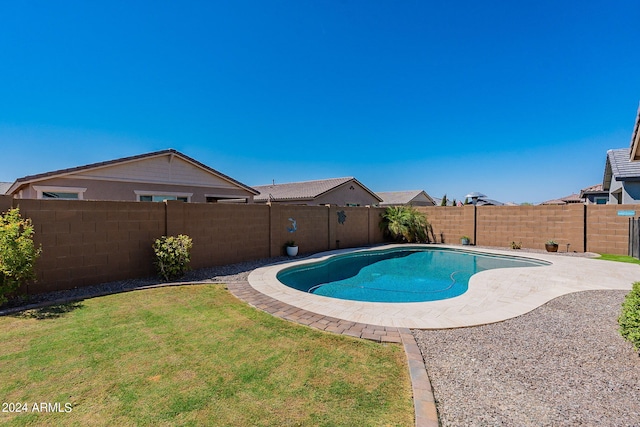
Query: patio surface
{"x":493,"y":295}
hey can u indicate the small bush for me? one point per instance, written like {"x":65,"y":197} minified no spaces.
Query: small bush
{"x":172,"y":256}
{"x":18,"y":253}
{"x":629,"y":319}
{"x":515,"y":245}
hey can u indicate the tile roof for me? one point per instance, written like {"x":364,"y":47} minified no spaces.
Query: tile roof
{"x":554,"y":202}
{"x":68,"y":171}
{"x":305,"y":190}
{"x":621,"y":167}
{"x":4,"y":186}
{"x":593,"y":189}
{"x":400,"y":197}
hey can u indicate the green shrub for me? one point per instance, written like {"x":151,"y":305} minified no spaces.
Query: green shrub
{"x":404,"y":224}
{"x":629,"y":319}
{"x":18,"y":253}
{"x":172,"y":256}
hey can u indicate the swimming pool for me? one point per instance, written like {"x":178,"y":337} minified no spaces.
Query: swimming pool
{"x":396,"y":275}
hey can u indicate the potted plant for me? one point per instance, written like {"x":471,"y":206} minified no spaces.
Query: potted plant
{"x":465,"y":240}
{"x":291,"y":248}
{"x":551,"y":246}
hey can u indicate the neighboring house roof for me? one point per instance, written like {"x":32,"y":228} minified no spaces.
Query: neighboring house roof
{"x":554,"y":202}
{"x":69,"y":171}
{"x":634,"y":150}
{"x":402,"y":197}
{"x":572,"y":198}
{"x":577,"y":198}
{"x":306,"y":190}
{"x":593,"y":190}
{"x":620,"y":168}
{"x":4,"y":186}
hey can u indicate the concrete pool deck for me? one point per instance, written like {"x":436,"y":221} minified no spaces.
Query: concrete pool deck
{"x":493,"y":295}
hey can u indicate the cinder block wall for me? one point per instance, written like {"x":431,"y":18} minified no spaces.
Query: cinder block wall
{"x":531,"y":225}
{"x":354,"y":231}
{"x":375,"y":233}
{"x":450,"y":223}
{"x":6,"y":203}
{"x":607,"y":232}
{"x":311,"y":225}
{"x":221,"y":233}
{"x":85,"y":243}
{"x":90,"y":242}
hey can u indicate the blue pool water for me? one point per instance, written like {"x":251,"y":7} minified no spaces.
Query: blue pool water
{"x":396,"y":275}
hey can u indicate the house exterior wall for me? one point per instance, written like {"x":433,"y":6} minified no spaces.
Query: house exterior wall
{"x":339,"y":196}
{"x":421,"y":200}
{"x":343,"y":195}
{"x":630,"y":192}
{"x":167,"y":173}
{"x":165,"y":169}
{"x":125,"y":190}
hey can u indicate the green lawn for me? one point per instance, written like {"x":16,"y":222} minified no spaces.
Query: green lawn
{"x":619,"y":258}
{"x":194,"y":355}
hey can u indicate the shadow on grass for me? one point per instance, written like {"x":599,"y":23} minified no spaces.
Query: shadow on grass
{"x":50,"y":312}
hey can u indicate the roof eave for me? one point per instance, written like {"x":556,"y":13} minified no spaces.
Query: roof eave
{"x":634,"y":152}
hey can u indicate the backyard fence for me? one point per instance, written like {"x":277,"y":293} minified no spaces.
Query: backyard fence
{"x":90,"y":242}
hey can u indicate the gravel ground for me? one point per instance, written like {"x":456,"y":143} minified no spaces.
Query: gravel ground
{"x":563,"y":364}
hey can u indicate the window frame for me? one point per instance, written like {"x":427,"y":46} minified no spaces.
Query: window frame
{"x":42,"y":189}
{"x":170,"y":195}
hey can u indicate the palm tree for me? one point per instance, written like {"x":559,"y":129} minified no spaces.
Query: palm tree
{"x":404,"y":223}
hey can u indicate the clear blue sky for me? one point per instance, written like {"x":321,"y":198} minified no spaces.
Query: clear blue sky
{"x":518,"y":100}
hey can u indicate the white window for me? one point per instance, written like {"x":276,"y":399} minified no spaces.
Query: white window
{"x":153,"y":196}
{"x":63,"y":193}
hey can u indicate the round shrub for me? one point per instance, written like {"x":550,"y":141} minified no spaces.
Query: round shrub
{"x":18,"y":253}
{"x":172,"y":255}
{"x":629,"y":319}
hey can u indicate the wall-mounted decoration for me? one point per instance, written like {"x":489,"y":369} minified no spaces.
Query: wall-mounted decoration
{"x":294,"y":226}
{"x":342,"y":217}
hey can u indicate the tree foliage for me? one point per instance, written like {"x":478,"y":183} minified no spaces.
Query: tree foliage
{"x":629,"y":319}
{"x":172,"y":255}
{"x":18,"y":253}
{"x":404,"y":224}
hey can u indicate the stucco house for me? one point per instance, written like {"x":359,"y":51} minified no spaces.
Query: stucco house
{"x":621,"y":177}
{"x":405,"y":198}
{"x":333,"y":191}
{"x":156,"y":176}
